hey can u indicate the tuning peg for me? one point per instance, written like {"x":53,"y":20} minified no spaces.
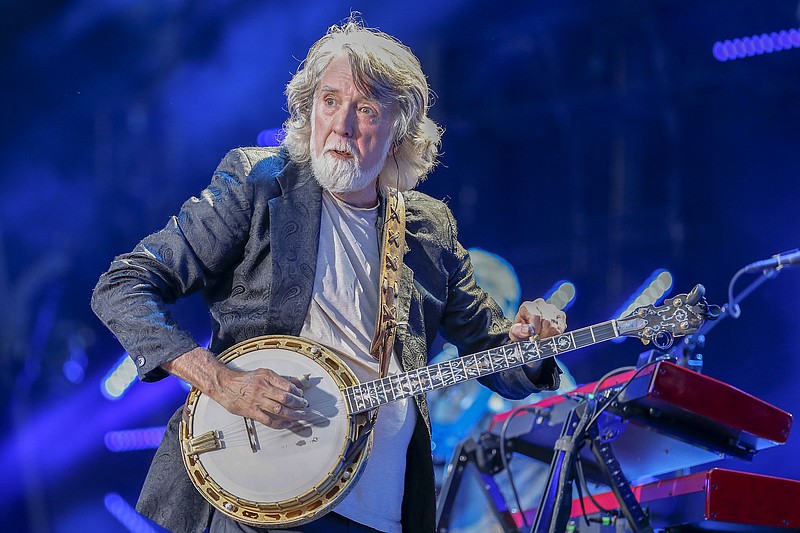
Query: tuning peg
{"x":695,"y":295}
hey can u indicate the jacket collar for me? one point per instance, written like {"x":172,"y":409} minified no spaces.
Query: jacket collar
{"x":294,"y":239}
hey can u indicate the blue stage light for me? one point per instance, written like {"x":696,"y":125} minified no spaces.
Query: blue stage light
{"x":765,"y":43}
{"x":561,"y":294}
{"x":126,"y":514}
{"x":652,"y":291}
{"x":119,"y":378}
{"x":134,"y":439}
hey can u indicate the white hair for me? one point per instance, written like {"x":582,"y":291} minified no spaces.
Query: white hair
{"x":382,"y":68}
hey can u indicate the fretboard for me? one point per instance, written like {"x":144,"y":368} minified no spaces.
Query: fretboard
{"x":372,"y":394}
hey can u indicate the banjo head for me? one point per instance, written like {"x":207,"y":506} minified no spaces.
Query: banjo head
{"x":276,"y":477}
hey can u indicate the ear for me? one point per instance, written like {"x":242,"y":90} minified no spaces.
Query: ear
{"x":394,"y":148}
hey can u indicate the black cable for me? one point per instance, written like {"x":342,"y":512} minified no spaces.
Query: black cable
{"x":503,"y":430}
{"x":582,"y":480}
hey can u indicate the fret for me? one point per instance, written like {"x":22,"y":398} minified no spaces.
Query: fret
{"x":382,"y":395}
{"x":471,"y":362}
{"x":583,"y":337}
{"x":516,"y":358}
{"x":436,"y":379}
{"x":374,"y":394}
{"x":427,"y":381}
{"x":448,"y":377}
{"x":360,"y":402}
{"x":413,"y":382}
{"x":531,"y":352}
{"x":453,"y":368}
{"x":418,"y":381}
{"x":445,"y":374}
{"x":484,"y":363}
{"x":606,"y":331}
{"x":407,"y":386}
{"x":348,"y":399}
{"x":499,"y":360}
{"x":555,"y":345}
{"x":392,"y":384}
{"x":371,"y":400}
{"x":459,"y":371}
{"x":591,"y":330}
{"x":506,"y":351}
{"x":552,"y":345}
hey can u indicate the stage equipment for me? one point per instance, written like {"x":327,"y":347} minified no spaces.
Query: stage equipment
{"x":658,"y":419}
{"x":716,"y":499}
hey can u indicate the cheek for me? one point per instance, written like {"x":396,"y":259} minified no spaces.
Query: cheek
{"x":318,"y":135}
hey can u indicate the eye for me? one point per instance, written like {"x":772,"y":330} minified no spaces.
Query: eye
{"x":329,"y":100}
{"x":369,"y":111}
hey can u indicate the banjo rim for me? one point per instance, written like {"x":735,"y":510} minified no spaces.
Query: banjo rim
{"x":332,"y":487}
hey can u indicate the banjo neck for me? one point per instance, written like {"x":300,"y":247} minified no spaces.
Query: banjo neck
{"x":372,"y":394}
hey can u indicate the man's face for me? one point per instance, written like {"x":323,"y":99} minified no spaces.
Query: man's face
{"x":351,"y":133}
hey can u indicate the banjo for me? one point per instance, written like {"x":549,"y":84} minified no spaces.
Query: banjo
{"x":286,"y":477}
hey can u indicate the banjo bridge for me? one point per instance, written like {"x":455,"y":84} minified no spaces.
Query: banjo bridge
{"x":252,"y":435}
{"x":207,"y":442}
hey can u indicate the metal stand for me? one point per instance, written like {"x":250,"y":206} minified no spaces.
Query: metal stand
{"x":484,"y":458}
{"x":554,"y":509}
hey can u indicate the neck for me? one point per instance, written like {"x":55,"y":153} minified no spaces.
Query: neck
{"x":365,"y":198}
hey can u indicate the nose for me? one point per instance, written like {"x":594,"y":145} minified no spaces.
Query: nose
{"x":344,"y":120}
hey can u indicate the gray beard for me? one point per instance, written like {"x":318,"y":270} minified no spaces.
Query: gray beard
{"x":342,"y":175}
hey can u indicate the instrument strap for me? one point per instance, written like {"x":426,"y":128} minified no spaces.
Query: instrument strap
{"x":394,"y":247}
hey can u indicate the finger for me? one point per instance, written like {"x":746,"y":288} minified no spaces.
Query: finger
{"x":283,"y":397}
{"x":272,"y":421}
{"x":284,"y":383}
{"x":520,"y":331}
{"x":280,"y":412}
{"x":549,"y":329}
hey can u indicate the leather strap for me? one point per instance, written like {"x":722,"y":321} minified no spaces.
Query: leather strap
{"x":394,"y":247}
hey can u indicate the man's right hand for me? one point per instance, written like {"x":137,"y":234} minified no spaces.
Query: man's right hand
{"x":275,"y":401}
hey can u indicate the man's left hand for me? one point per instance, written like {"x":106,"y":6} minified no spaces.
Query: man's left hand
{"x":537,"y":319}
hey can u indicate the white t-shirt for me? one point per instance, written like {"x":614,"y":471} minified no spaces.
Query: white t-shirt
{"x":342,"y":315}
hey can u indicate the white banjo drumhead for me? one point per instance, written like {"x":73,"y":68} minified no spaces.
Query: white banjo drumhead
{"x":287,"y":462}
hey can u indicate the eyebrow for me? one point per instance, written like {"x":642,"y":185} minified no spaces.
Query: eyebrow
{"x":329,"y":89}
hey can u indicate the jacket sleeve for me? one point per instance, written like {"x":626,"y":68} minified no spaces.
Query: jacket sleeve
{"x":207,"y":235}
{"x":474,"y":322}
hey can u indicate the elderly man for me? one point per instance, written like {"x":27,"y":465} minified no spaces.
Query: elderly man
{"x":288,"y":241}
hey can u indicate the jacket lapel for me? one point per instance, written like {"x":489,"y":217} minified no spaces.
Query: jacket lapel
{"x":294,"y":238}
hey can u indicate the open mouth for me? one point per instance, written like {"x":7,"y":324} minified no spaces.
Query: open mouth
{"x":341,"y":154}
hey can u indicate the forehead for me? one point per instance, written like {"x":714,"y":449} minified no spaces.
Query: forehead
{"x":337,"y":76}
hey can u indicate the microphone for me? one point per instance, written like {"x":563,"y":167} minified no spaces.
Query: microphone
{"x":777,"y":261}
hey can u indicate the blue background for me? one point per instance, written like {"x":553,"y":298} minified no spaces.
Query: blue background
{"x":594,"y":141}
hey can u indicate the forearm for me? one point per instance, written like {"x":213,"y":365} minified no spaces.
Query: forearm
{"x":261,"y":394}
{"x":200,"y":368}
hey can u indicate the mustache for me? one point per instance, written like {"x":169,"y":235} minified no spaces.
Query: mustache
{"x":341,"y":146}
